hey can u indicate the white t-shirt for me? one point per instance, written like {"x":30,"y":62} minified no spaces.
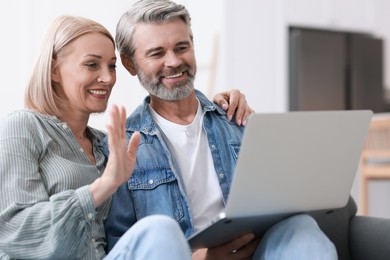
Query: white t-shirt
{"x":189,"y":146}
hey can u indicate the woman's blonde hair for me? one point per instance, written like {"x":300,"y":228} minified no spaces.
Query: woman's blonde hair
{"x":40,"y":93}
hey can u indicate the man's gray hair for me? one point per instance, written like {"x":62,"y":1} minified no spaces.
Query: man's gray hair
{"x":147,"y":11}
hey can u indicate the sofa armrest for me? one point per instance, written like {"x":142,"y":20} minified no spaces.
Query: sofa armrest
{"x":370,"y":238}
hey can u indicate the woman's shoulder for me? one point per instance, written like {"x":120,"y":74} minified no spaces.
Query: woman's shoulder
{"x":23,"y":115}
{"x":17,"y":117}
{"x":23,"y":120}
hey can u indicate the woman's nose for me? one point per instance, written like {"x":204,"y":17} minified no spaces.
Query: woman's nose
{"x":106,"y":76}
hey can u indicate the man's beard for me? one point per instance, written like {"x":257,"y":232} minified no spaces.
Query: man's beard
{"x":179,"y":91}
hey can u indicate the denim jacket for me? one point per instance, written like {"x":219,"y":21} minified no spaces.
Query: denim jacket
{"x":155,"y":186}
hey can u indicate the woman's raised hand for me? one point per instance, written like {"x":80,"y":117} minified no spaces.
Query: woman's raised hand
{"x":121,"y":160}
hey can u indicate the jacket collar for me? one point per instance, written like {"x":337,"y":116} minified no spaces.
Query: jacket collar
{"x":141,"y":119}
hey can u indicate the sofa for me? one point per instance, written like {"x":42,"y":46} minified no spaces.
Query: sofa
{"x":355,"y":237}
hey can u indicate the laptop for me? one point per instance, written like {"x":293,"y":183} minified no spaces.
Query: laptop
{"x":289,"y":163}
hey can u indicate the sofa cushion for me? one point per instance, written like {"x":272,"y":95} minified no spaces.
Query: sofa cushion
{"x":370,"y":238}
{"x":335,"y":224}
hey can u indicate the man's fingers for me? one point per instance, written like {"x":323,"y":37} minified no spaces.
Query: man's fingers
{"x":239,"y":242}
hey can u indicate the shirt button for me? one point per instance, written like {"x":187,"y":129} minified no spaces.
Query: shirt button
{"x":81,"y":150}
{"x":213,"y":146}
{"x":65,"y":126}
{"x":90,"y":215}
{"x":151,"y":181}
{"x":221,"y":175}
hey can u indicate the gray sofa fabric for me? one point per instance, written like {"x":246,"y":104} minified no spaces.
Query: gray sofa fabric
{"x":355,"y":237}
{"x":370,"y":238}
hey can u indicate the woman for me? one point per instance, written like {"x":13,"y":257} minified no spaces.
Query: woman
{"x":55,"y":185}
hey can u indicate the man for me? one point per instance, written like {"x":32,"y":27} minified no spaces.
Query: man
{"x":188,"y":148}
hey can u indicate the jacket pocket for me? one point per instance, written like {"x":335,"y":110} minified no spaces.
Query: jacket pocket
{"x":235,"y":150}
{"x":156,"y":191}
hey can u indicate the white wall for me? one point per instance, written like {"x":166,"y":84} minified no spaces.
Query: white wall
{"x":252,"y":52}
{"x":256,"y":45}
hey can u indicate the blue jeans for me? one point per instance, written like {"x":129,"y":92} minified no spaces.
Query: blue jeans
{"x":153,"y":237}
{"x":297,"y":237}
{"x":159,"y":237}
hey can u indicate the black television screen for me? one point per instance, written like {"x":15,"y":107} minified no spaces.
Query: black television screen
{"x":332,"y":70}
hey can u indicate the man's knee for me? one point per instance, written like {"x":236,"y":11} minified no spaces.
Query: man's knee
{"x":297,"y":237}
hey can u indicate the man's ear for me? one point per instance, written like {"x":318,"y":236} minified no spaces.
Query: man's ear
{"x":128,"y":64}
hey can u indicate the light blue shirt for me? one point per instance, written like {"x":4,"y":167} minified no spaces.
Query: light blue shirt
{"x":46,"y":208}
{"x":155,"y":186}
